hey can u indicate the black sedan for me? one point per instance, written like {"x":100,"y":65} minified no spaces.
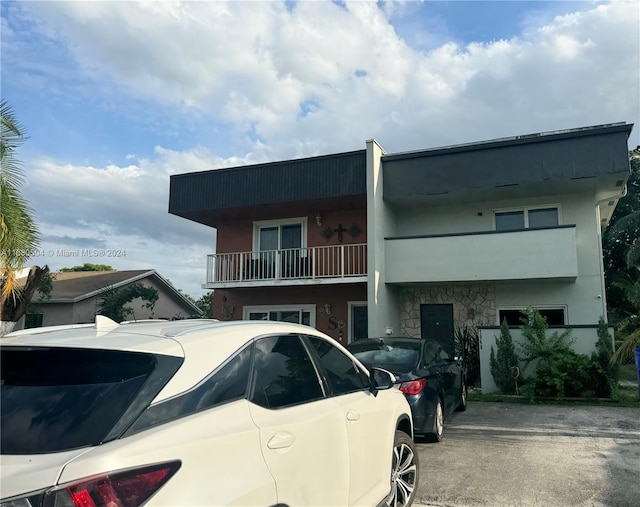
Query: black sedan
{"x":431,"y":380}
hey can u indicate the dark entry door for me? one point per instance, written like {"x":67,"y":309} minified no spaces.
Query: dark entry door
{"x":359,"y":319}
{"x":436,"y":321}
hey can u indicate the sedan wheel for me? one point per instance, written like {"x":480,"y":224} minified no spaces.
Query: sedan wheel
{"x":463,"y":398}
{"x":438,"y":424}
{"x":404,"y":472}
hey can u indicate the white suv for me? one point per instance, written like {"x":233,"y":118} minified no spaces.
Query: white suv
{"x":198,"y":412}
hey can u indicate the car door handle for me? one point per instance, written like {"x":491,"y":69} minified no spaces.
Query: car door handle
{"x":281,"y":440}
{"x":352,"y":415}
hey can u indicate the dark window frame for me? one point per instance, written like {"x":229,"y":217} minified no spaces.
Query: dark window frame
{"x":551,"y":313}
{"x":525,"y":210}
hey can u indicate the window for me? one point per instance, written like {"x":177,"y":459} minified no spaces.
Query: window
{"x":396,"y":356}
{"x":510,"y":221}
{"x":283,"y":373}
{"x":430,"y":352}
{"x":443,"y":355}
{"x":280,"y":249}
{"x":341,"y":373}
{"x":526,"y":218}
{"x":284,"y":234}
{"x":56,"y":399}
{"x":303,"y":314}
{"x":544,"y":217}
{"x":32,"y":320}
{"x":514,"y":317}
{"x":227,"y":383}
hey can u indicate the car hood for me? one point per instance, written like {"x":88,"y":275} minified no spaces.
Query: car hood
{"x":20,"y":474}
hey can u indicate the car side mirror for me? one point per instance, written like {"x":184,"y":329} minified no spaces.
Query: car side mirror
{"x":380,"y":380}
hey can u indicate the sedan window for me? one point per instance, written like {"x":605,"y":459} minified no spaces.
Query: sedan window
{"x":283,"y":373}
{"x":430,"y":355}
{"x":398,"y":357}
{"x":342,"y":374}
{"x":444,"y":355}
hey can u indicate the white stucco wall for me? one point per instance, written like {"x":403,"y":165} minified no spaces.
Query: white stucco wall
{"x":582,"y":296}
{"x":383,"y":300}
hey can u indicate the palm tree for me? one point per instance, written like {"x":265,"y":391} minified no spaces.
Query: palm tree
{"x":18,"y":231}
{"x":624,"y":234}
{"x":629,"y":326}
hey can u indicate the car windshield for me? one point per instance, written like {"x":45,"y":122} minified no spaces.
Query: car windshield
{"x":56,"y":399}
{"x":398,"y":357}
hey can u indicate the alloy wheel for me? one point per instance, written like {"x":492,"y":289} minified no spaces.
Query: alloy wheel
{"x":404,"y":472}
{"x":439,"y":421}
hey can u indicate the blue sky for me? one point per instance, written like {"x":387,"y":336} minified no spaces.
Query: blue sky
{"x":117,"y":96}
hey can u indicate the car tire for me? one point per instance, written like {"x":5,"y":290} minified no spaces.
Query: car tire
{"x":438,"y":424}
{"x":404,"y":472}
{"x":463,"y":398}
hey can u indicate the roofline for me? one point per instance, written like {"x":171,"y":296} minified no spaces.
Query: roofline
{"x":274,"y":163}
{"x":122,"y":283}
{"x":177,"y":292}
{"x":514,"y":140}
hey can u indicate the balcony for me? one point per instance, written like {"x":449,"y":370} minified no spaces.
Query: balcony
{"x":297,"y":266}
{"x":540,"y":254}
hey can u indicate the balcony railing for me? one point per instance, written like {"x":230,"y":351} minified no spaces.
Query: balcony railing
{"x":309,"y":263}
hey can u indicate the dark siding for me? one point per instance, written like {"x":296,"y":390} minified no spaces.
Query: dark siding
{"x":582,"y":153}
{"x":325,"y":177}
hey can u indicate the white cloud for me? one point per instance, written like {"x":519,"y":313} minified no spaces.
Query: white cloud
{"x":254,"y":64}
{"x":318,"y":78}
{"x":121,"y":212}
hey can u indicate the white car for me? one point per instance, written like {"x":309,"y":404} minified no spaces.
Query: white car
{"x":198,"y":412}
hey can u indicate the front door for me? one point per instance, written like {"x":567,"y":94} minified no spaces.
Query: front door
{"x":436,"y":321}
{"x":359,"y":322}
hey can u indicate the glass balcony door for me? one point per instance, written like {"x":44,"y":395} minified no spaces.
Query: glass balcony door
{"x":280,"y":248}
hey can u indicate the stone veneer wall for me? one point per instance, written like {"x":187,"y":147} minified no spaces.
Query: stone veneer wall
{"x":472,"y":305}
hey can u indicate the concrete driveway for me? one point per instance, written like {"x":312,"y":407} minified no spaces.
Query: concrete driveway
{"x":500,"y":455}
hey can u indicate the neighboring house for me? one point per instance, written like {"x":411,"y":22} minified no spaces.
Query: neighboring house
{"x":75,"y":298}
{"x":460,"y":235}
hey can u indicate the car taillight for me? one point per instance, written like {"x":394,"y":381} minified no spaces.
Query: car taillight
{"x":130,"y":488}
{"x":413,"y":387}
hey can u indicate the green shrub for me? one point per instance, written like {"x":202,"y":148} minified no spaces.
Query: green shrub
{"x":603,"y":373}
{"x":502,"y":361}
{"x":560,"y":371}
{"x":566,"y":374}
{"x":537,"y":345}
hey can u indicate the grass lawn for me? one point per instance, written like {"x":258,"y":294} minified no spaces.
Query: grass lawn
{"x":624,"y":397}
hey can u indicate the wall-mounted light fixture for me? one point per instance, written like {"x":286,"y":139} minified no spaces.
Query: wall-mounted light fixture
{"x":327,"y":309}
{"x":319,"y":220}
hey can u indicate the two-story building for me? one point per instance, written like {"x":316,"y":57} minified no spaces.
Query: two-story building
{"x":416,"y":243}
{"x":291,"y":240}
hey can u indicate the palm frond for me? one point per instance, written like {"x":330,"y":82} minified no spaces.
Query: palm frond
{"x":627,"y":348}
{"x":12,"y":135}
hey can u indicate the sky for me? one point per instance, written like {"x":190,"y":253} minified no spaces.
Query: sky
{"x":116,"y":96}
